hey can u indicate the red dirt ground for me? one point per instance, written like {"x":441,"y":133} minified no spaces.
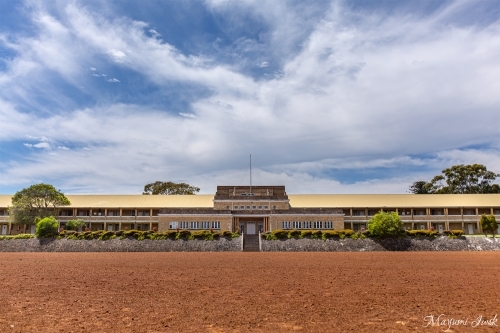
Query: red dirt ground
{"x":246,"y":292}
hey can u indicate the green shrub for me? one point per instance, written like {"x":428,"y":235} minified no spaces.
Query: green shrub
{"x":454,"y":233}
{"x":203,"y":234}
{"x":489,"y":224}
{"x":306,"y":233}
{"x":183,"y":234}
{"x":47,"y":227}
{"x":358,"y":235}
{"x":280,"y":234}
{"x":107,"y":235}
{"x":74,"y":224}
{"x":330,"y":234}
{"x":295,"y":234}
{"x":385,"y":224}
{"x":19,"y":236}
{"x":421,"y":233}
{"x":316,"y":234}
{"x":23,"y":236}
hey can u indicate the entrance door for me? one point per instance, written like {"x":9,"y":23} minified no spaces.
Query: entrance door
{"x":110,"y":227}
{"x":440,"y":228}
{"x":4,"y":229}
{"x":471,"y":229}
{"x":251,"y":228}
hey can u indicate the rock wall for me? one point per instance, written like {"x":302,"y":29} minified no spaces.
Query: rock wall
{"x":235,"y":245}
{"x":120,"y":245}
{"x":394,"y":244}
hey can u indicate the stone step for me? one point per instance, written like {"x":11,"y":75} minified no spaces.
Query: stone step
{"x":250,"y":243}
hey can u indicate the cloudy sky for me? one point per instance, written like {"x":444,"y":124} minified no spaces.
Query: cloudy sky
{"x":104,"y":96}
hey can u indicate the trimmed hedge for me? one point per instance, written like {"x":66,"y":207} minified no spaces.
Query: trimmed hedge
{"x":311,"y":234}
{"x":454,"y":233}
{"x":20,"y":236}
{"x":141,"y":235}
{"x":422,"y":233}
{"x":347,"y":233}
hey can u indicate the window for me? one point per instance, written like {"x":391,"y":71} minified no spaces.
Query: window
{"x":173,"y":225}
{"x":274,"y":207}
{"x":184,"y":225}
{"x":286,"y":225}
{"x":248,"y":207}
{"x":254,"y":207}
{"x":328,"y":225}
{"x":195,"y":225}
{"x":227,"y":207}
{"x":318,"y":225}
{"x":64,"y":212}
{"x":297,"y":225}
{"x":82,"y":212}
{"x":307,"y":225}
{"x":112,"y":212}
{"x":235,"y":207}
{"x":260,"y":207}
{"x":143,"y":212}
{"x":216,"y":225}
{"x":266,"y":207}
{"x":205,"y":225}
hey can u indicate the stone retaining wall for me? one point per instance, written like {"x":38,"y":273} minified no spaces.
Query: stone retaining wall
{"x":120,"y":245}
{"x":395,"y":244}
{"x":235,"y":245}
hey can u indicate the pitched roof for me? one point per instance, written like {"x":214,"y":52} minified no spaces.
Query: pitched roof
{"x":296,"y":200}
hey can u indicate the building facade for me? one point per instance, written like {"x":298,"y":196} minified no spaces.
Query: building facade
{"x":265,"y":208}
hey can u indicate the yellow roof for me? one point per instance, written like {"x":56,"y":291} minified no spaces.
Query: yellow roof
{"x":394,"y":200}
{"x":296,"y":200}
{"x":131,"y":201}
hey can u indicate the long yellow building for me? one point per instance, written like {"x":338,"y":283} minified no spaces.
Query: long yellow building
{"x":264,"y":208}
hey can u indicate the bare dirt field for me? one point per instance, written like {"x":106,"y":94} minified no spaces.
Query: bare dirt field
{"x":247,"y":292}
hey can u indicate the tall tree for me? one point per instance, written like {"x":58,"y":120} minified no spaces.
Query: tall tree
{"x":169,"y":188}
{"x":489,"y":224}
{"x":420,"y":187}
{"x":460,"y":179}
{"x":36,"y":202}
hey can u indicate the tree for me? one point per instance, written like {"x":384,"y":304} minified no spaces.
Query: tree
{"x":385,"y":224}
{"x":74,"y":224}
{"x":46,"y":227}
{"x":419,"y":187}
{"x":489,"y":224}
{"x":169,"y":188}
{"x":460,"y":179}
{"x":36,"y":202}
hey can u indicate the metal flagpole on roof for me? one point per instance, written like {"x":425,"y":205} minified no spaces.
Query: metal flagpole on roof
{"x":250,"y":174}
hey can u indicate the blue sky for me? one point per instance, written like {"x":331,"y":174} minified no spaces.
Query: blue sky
{"x":330,"y":97}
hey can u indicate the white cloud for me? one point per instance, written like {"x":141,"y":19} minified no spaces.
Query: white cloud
{"x":187,"y":115}
{"x":154,"y":33}
{"x":93,"y":68}
{"x":117,"y":55}
{"x":62,"y":147}
{"x":356,"y":92}
{"x":263,"y":64}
